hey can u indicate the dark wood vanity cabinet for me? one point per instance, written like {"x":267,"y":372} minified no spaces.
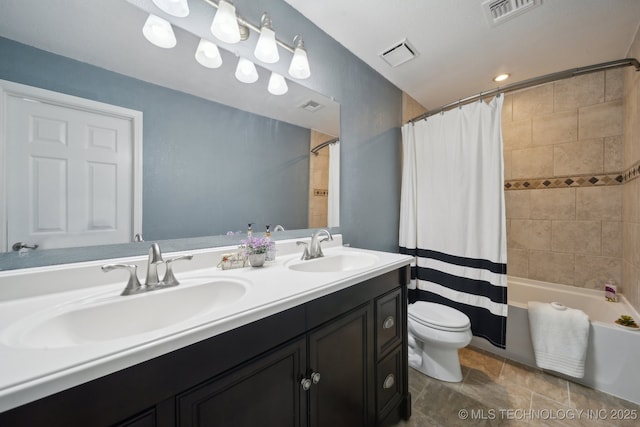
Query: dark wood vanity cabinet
{"x":339,"y":360}
{"x":317,"y":380}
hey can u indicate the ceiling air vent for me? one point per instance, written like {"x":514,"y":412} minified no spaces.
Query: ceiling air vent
{"x":399,"y":54}
{"x":311,"y":106}
{"x":499,"y":11}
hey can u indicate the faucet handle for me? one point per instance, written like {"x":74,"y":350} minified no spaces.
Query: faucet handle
{"x":305,"y":254}
{"x":169,"y":277}
{"x":133,"y":285}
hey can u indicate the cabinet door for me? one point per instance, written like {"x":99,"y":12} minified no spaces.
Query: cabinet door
{"x":265,"y":392}
{"x":341,"y":352}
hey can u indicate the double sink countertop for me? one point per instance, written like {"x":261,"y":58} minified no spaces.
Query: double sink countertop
{"x":64,"y":325}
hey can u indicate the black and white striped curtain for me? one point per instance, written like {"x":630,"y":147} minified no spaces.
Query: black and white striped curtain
{"x":452,"y":214}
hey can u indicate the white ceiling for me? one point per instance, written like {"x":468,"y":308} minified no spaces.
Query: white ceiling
{"x":460,"y":53}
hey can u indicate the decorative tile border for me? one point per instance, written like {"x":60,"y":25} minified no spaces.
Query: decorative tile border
{"x":589,"y":180}
{"x":632,"y":173}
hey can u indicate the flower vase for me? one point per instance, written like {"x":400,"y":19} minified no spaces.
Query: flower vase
{"x":257,"y":260}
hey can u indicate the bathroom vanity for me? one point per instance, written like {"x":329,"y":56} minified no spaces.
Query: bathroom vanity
{"x":319,"y":344}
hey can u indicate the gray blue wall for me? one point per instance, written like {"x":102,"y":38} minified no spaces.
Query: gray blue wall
{"x":207,"y":168}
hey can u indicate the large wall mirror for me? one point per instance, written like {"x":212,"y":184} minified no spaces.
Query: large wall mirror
{"x":217,"y":153}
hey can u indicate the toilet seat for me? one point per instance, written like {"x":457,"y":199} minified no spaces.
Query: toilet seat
{"x":438,"y":316}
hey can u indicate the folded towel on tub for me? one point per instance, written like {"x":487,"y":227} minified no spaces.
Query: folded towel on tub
{"x":559,"y":335}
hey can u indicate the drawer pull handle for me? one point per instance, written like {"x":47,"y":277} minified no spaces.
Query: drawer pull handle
{"x":388,"y":323}
{"x":315,"y":377}
{"x":389,"y":381}
{"x":306,"y":384}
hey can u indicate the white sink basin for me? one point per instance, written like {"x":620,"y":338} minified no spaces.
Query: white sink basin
{"x":111,"y":317}
{"x":335,"y":263}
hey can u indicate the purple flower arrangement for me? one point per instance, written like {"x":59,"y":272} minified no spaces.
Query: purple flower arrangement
{"x":256,"y":245}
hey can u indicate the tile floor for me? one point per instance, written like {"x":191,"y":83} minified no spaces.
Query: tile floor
{"x":499,"y":392}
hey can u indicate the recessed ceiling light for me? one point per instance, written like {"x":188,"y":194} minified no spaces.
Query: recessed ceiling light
{"x":501,"y":77}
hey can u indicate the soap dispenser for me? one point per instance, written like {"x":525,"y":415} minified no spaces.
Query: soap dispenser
{"x":271,"y":252}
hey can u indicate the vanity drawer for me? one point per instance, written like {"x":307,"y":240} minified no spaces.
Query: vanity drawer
{"x":388,"y":322}
{"x":389,"y":383}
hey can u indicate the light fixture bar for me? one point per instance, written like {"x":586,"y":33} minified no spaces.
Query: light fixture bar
{"x":253,"y":27}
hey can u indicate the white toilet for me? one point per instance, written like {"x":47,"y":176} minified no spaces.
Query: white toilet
{"x":436,"y":332}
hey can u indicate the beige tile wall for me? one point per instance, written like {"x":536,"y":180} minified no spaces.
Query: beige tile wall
{"x":318,"y":179}
{"x":569,"y":128}
{"x":631,"y":189}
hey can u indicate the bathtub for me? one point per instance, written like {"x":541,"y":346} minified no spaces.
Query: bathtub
{"x":613,"y":353}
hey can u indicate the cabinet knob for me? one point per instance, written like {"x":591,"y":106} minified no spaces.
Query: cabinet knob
{"x":306,"y":384}
{"x":389,"y":381}
{"x":315,"y":377}
{"x":388,"y":323}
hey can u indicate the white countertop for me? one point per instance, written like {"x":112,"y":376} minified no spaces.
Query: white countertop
{"x":27,"y":374}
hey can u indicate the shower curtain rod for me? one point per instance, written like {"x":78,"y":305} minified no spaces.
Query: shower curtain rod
{"x":533,"y":82}
{"x":319,"y":147}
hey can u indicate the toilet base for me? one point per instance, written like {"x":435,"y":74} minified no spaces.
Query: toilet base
{"x":441,"y":364}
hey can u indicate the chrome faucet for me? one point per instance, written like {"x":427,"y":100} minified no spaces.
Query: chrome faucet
{"x":314,"y":249}
{"x":152,"y":280}
{"x":155,"y":259}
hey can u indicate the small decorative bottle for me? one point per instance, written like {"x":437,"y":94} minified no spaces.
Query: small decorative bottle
{"x":610,"y":291}
{"x":271,"y":253}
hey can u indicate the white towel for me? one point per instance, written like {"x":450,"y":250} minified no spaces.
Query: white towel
{"x":560,"y":336}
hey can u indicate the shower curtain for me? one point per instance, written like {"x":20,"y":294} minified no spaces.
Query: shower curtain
{"x":452,"y":214}
{"x":333,"y":204}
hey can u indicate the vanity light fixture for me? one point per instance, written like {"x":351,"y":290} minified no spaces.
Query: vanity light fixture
{"x":501,"y":77}
{"x":208,"y":54}
{"x":225,"y":23}
{"x":177,"y":8}
{"x":229,"y":28}
{"x":246,"y":71}
{"x":299,"y":67}
{"x":159,"y":32}
{"x":267,"y":48}
{"x":277,"y":84}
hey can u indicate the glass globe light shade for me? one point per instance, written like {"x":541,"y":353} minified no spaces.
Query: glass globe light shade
{"x":208,"y":54}
{"x":225,"y":24}
{"x":246,"y":71}
{"x":159,"y":32}
{"x":277,"y":84}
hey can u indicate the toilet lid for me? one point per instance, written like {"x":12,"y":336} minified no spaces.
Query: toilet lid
{"x":438,"y":316}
